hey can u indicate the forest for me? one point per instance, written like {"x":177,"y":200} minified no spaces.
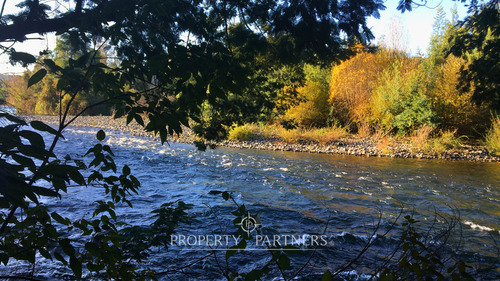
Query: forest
{"x":366,"y":90}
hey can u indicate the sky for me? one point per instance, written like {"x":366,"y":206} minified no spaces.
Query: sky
{"x":417,"y":25}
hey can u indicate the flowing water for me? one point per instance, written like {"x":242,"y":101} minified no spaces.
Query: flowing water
{"x":299,"y":194}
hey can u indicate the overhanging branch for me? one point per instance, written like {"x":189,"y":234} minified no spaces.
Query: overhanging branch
{"x":106,"y":12}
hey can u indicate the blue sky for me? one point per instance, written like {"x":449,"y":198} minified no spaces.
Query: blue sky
{"x":417,"y":24}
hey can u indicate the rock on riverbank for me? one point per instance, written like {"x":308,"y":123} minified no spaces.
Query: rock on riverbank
{"x":351,"y":145}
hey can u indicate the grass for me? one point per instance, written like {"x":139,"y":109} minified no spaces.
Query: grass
{"x":243,"y":133}
{"x":323,"y":135}
{"x":492,"y":139}
{"x":422,"y":141}
{"x":446,"y":141}
{"x":272,"y":131}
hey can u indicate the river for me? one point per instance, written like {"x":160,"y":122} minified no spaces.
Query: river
{"x":302,"y":194}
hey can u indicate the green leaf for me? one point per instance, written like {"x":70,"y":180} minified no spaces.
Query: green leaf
{"x":60,"y":258}
{"x":40,"y":126}
{"x":101,"y":135}
{"x":37,"y":77}
{"x":35,"y":152}
{"x":163,"y":134}
{"x":24,"y":161}
{"x":76,"y":266}
{"x":327,"y":276}
{"x":67,"y":247}
{"x":284,"y":262}
{"x":130,"y":117}
{"x":22,"y":57}
{"x":43,"y":191}
{"x":225,"y":195}
{"x":59,"y":219}
{"x":230,"y":252}
{"x":12,"y":118}
{"x":34,"y":138}
{"x":126,"y":170}
{"x":139,"y":120}
{"x":45,"y":253}
{"x":108,"y":150}
{"x":51,"y":65}
{"x":77,"y":177}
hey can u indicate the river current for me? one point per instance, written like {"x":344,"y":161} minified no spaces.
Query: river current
{"x":302,"y":195}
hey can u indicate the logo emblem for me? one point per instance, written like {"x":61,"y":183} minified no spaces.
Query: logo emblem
{"x":248,"y":224}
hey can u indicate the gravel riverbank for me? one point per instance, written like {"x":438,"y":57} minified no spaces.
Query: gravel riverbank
{"x":350,"y":145}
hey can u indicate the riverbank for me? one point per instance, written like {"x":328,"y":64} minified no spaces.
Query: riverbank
{"x":347,"y":145}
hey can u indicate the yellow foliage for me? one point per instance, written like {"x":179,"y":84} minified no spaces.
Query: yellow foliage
{"x":324,"y":135}
{"x":454,"y":107}
{"x":20,"y":96}
{"x":390,"y":85}
{"x":243,"y":133}
{"x":352,"y":82}
{"x":493,"y":137}
{"x":313,"y":108}
{"x":290,"y":136}
{"x":420,"y":139}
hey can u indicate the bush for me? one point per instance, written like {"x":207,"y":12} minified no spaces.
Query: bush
{"x":352,"y":82}
{"x":290,"y":136}
{"x":454,"y":107}
{"x":420,"y":139}
{"x":314,"y":109}
{"x":493,"y":137}
{"x":446,"y":141}
{"x":243,"y":133}
{"x":399,"y":101}
{"x":422,"y":142}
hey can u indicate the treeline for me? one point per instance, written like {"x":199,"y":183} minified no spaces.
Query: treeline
{"x":386,"y":90}
{"x":383,"y":91}
{"x":369,"y":89}
{"x":389,"y":91}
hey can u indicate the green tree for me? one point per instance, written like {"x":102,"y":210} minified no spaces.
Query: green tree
{"x":400,"y":99}
{"x":480,"y":34}
{"x":311,"y":108}
{"x":438,"y":47}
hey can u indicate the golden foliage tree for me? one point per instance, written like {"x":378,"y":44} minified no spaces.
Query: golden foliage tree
{"x":20,"y":96}
{"x":352,"y":82}
{"x":313,"y":109}
{"x":455,"y":107}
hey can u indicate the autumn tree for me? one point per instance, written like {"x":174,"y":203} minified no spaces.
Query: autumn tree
{"x":19,"y":96}
{"x":312,"y":108}
{"x":456,"y":108}
{"x":352,"y":83}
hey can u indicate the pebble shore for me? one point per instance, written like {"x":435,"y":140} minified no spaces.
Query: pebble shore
{"x":350,"y":145}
